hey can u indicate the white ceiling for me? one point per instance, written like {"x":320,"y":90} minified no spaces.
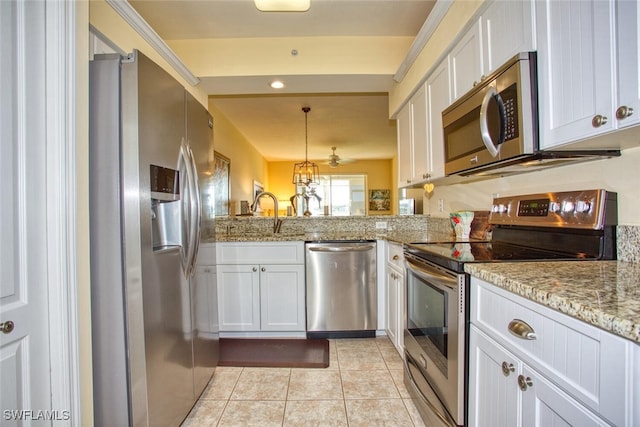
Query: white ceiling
{"x":350,"y":113}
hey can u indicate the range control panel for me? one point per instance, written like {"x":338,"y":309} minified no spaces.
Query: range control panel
{"x":591,"y":209}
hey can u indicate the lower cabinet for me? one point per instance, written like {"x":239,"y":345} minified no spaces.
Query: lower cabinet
{"x":395,"y":296}
{"x":533,"y":366}
{"x":503,"y":391}
{"x":255,"y":297}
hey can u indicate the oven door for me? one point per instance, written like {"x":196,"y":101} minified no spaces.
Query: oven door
{"x":435,"y":340}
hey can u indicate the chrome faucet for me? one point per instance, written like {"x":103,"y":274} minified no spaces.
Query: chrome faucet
{"x":277,"y":223}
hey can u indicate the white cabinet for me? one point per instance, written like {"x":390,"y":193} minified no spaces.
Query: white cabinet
{"x":405,"y":146}
{"x":466,"y":61}
{"x":395,"y":295}
{"x":507,"y":29}
{"x":504,"y":29}
{"x":420,"y":138}
{"x":261,"y":287}
{"x":568,"y":370}
{"x":500,"y":381}
{"x":438,"y":94}
{"x":587,"y":70}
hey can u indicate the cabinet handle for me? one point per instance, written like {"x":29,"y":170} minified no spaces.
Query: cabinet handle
{"x":7,"y":327}
{"x":524,"y":383}
{"x":263,"y":269}
{"x":408,"y":181}
{"x":254,"y":269}
{"x":599,"y":120}
{"x":396,"y":257}
{"x":521,"y":329}
{"x":623,"y":112}
{"x":507,"y":368}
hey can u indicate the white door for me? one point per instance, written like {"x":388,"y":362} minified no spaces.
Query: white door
{"x":38,"y":361}
{"x":239,"y":297}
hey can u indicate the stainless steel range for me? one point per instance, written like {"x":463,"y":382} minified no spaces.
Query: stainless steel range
{"x":575,"y":225}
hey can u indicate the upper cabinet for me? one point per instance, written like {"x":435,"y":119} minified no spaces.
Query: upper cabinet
{"x":507,"y":29}
{"x":466,"y":61}
{"x":420,"y":140}
{"x":587,"y":69}
{"x":504,"y":29}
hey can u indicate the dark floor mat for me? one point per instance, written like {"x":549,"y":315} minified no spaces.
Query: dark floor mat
{"x":280,"y":353}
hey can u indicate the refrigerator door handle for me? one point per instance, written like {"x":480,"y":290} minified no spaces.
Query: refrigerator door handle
{"x":187,"y":198}
{"x":196,"y":210}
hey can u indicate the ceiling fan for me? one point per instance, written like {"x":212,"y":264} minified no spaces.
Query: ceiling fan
{"x":335,"y":160}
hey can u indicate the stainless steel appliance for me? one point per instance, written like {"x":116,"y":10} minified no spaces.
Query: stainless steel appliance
{"x":493,"y":129}
{"x":576,"y":225}
{"x":150,"y":142}
{"x":341,"y":289}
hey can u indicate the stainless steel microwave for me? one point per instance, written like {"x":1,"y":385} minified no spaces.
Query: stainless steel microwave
{"x":497,"y":120}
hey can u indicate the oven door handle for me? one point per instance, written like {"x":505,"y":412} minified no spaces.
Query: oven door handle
{"x":433,"y":276}
{"x":442,"y":414}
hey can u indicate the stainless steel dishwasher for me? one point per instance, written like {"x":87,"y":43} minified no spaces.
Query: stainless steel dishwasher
{"x":341,"y":289}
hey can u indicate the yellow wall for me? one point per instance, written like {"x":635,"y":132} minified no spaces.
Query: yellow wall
{"x":379,"y":176}
{"x":247,"y":164}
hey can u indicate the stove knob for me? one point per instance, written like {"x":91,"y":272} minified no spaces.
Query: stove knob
{"x":568,"y":207}
{"x":494,"y":208}
{"x":554,"y":207}
{"x":583,"y":206}
{"x":502,"y":208}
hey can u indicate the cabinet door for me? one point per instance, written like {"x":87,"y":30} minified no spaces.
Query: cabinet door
{"x":405,"y":167}
{"x":628,"y":49}
{"x":493,"y":384}
{"x":575,"y":60}
{"x":391,"y":283}
{"x":420,"y":152}
{"x":508,"y":28}
{"x":239,"y":297}
{"x":543,"y":404}
{"x":282,"y":298}
{"x":438,"y":98}
{"x":466,"y":62}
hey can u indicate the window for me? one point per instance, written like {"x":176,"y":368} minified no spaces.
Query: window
{"x":342,"y":195}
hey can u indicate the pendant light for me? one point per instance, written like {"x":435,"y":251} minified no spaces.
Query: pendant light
{"x":306,"y":173}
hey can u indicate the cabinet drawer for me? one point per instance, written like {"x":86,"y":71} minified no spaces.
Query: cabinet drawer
{"x":395,"y":256}
{"x":588,"y":363}
{"x":261,"y":253}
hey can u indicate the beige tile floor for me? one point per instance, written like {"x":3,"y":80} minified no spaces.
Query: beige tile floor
{"x":361,"y":387}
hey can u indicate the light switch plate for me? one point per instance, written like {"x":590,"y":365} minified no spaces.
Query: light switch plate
{"x":381,"y":225}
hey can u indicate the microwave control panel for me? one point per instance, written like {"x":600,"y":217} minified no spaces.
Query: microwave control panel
{"x":510,"y":101}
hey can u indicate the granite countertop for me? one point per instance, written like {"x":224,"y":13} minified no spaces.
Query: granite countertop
{"x":393,"y":236}
{"x":605,"y":294}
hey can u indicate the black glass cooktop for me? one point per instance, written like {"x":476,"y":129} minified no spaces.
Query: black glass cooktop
{"x":454,"y":254}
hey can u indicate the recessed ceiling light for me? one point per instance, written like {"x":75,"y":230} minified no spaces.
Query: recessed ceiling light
{"x":276,"y":84}
{"x":283,"y":5}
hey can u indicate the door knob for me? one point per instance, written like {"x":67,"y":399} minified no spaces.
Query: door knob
{"x":524,"y":383}
{"x":263,"y":269}
{"x":7,"y":327}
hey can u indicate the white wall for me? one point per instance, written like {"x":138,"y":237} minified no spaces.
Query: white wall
{"x":621,"y":174}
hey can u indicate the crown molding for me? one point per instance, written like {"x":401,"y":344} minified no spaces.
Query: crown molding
{"x":133,"y":18}
{"x":426,"y":31}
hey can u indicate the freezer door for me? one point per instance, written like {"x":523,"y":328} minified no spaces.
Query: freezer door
{"x":204,"y":307}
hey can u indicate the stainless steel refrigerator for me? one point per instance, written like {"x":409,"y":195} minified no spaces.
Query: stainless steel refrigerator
{"x":150,"y":148}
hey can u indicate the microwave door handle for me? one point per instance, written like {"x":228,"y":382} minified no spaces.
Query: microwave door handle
{"x":492,"y":148}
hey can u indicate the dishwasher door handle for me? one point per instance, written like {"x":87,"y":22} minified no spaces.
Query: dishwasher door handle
{"x":341,"y":248}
